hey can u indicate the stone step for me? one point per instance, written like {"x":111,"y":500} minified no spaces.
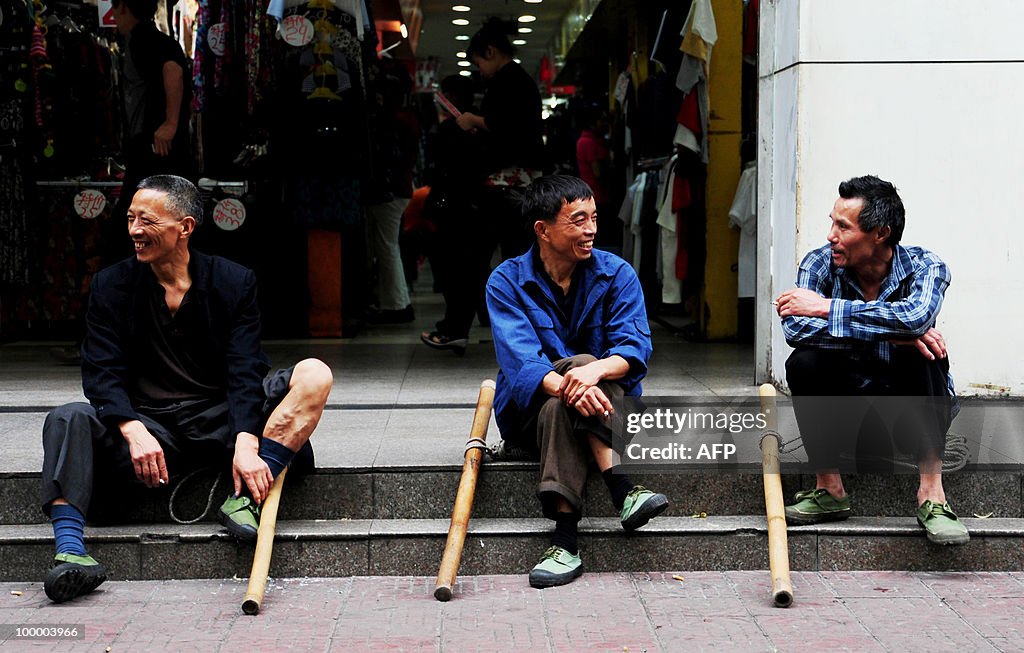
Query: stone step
{"x":507,"y":490}
{"x":401,"y":547}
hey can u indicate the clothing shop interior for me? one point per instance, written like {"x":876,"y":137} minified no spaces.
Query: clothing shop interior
{"x":324,"y":138}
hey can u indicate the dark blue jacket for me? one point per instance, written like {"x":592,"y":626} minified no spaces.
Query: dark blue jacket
{"x":225,"y":291}
{"x":529,"y":336}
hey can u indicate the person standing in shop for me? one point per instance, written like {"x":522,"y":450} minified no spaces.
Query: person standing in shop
{"x":510,"y":130}
{"x":155,"y":140}
{"x":157,"y":96}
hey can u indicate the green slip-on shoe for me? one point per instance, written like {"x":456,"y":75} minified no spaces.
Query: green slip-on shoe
{"x":817,"y":506}
{"x":640,"y":506}
{"x":241,"y":516}
{"x":72,"y":576}
{"x":556,"y":567}
{"x":941,"y":524}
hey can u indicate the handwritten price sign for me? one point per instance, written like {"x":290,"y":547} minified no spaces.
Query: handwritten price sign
{"x":297,"y":30}
{"x":216,"y":38}
{"x":90,"y":203}
{"x":229,"y":214}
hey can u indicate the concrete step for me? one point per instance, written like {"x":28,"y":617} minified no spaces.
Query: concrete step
{"x":507,"y":490}
{"x":384,"y":547}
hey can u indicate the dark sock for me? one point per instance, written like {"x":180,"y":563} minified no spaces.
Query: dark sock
{"x":565,"y":532}
{"x":68,"y":529}
{"x":276,"y":455}
{"x":619,"y":486}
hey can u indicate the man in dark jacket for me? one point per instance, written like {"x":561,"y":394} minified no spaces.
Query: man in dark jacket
{"x":174,"y":373}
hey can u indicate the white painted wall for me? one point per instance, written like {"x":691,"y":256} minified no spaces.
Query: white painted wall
{"x":923,"y":93}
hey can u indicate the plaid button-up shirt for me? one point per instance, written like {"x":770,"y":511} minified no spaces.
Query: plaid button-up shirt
{"x":908,"y":304}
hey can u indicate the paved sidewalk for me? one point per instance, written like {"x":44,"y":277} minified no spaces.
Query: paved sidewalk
{"x":616,"y":612}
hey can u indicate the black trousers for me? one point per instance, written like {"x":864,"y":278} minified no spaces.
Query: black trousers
{"x":845,"y":404}
{"x":81,"y":453}
{"x":561,"y":435}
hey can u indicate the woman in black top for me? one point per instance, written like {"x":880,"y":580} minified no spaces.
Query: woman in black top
{"x":509,"y":132}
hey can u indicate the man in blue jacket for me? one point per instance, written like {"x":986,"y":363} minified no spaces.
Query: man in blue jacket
{"x":571,"y":335}
{"x":862,"y":322}
{"x":174,"y":373}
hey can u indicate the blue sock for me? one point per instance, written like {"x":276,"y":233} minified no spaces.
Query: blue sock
{"x":276,"y":455}
{"x":68,"y":529}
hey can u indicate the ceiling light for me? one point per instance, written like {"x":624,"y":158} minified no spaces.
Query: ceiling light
{"x":460,"y":8}
{"x":525,"y":30}
{"x":461,"y":22}
{"x":464,"y":63}
{"x":460,"y":55}
{"x":532,"y":2}
{"x":405,"y":31}
{"x":465,"y":73}
{"x":518,"y":60}
{"x":527,"y":18}
{"x":519,"y":42}
{"x":462,"y":37}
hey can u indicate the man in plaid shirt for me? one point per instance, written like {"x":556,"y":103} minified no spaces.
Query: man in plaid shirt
{"x":862,"y":322}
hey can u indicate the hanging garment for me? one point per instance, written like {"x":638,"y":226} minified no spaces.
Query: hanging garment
{"x":699,"y":37}
{"x":671,"y":289}
{"x":743,"y":216}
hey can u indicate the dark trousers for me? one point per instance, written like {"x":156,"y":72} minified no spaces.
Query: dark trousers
{"x":466,"y":238}
{"x":561,"y":436}
{"x":842,"y":403}
{"x":81,"y":453}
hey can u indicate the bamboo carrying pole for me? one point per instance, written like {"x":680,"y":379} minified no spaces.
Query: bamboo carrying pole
{"x":264,"y":548}
{"x":778,"y":548}
{"x":464,"y":498}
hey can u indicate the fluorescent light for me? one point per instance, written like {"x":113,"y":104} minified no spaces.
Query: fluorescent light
{"x":405,"y":31}
{"x":461,"y":22}
{"x":519,"y":42}
{"x":527,"y":18}
{"x":464,"y":63}
{"x":518,"y":60}
{"x":465,"y":73}
{"x":462,"y":37}
{"x":532,"y":2}
{"x":525,"y":30}
{"x":460,"y":8}
{"x":460,"y":55}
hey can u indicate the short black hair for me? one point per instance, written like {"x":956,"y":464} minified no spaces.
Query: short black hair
{"x":544,"y":198}
{"x":143,"y":10}
{"x":494,"y":33}
{"x":182,"y":195}
{"x":882,"y":205}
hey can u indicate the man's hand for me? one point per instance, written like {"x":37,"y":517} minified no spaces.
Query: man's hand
{"x":802,"y":302}
{"x":146,"y":452}
{"x":931,"y":345}
{"x":163,"y":137}
{"x":248,"y":467}
{"x":593,"y":402}
{"x":578,"y":380}
{"x":470,"y":122}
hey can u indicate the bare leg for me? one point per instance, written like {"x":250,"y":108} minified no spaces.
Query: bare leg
{"x":930,"y":468}
{"x":294,"y":419}
{"x":831,"y":480}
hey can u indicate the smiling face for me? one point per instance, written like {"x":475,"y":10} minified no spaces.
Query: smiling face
{"x":570,"y":238}
{"x":851,"y":246}
{"x":157,"y":233}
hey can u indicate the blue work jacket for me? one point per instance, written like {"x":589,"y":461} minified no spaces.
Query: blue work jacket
{"x":609,"y":318}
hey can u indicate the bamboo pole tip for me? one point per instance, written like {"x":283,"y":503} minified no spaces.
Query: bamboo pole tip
{"x":251,"y":607}
{"x":783,"y":599}
{"x":488,"y":383}
{"x":766,"y":390}
{"x":443,"y":593}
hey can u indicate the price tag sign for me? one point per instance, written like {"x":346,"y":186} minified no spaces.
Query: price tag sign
{"x":297,"y":30}
{"x":90,"y":203}
{"x":229,"y":214}
{"x":216,"y":38}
